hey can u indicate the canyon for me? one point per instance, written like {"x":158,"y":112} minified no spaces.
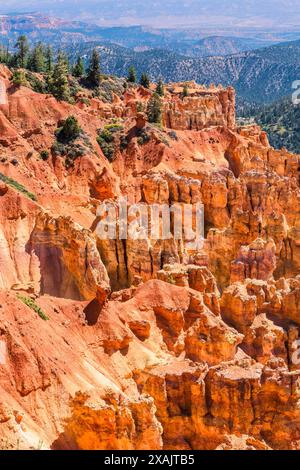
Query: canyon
{"x":143,"y":344}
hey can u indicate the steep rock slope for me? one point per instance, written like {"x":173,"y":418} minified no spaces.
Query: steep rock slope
{"x":110,"y":344}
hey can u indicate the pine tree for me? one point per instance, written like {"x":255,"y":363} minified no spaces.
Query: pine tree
{"x":154,"y":109}
{"x":78,"y":69}
{"x":19,"y":78}
{"x":49,"y":59}
{"x":4,"y":54}
{"x":36,"y":61}
{"x":58,"y":79}
{"x":3,"y":57}
{"x":185,"y":91}
{"x":145,"y":82}
{"x":131,"y":75}
{"x":7,"y":56}
{"x":160,"y":88}
{"x":94,"y":70}
{"x":22,"y":51}
{"x":66,"y":60}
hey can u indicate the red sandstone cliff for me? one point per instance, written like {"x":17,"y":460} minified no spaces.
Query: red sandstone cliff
{"x":146,"y":346}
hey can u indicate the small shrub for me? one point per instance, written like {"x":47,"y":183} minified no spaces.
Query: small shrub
{"x":142,"y":137}
{"x":44,"y":155}
{"x":69,"y":131}
{"x":173,"y":135}
{"x":58,"y":149}
{"x":123,"y":142}
{"x":71,"y":142}
{"x":108,"y":149}
{"x":114,"y":127}
{"x":171,"y":280}
{"x":19,"y":78}
{"x":185,"y":92}
{"x":106,"y":141}
{"x":75,"y":151}
{"x":31,"y":304}
{"x":35,"y":83}
{"x":140,"y":107}
{"x":85,"y":101}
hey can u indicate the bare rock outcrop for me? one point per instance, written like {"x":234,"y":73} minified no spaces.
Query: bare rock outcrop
{"x":149,"y":343}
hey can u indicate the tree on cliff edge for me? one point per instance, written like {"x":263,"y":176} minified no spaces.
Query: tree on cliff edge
{"x":58,"y":79}
{"x":131,"y":75}
{"x":160,"y":88}
{"x":94,"y":70}
{"x":36,"y":61}
{"x":154,"y":109}
{"x":19,"y":78}
{"x":145,"y":81}
{"x":78,"y":70}
{"x":185,"y":91}
{"x":49,"y":59}
{"x":22,"y":47}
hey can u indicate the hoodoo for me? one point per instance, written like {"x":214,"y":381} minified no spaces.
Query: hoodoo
{"x":145,"y":343}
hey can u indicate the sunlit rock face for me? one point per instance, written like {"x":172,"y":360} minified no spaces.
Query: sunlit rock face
{"x":125,"y":344}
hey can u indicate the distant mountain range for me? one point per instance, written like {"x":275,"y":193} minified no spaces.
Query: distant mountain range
{"x":189,"y":42}
{"x":262,"y":75}
{"x":231,"y":13}
{"x":221,"y":45}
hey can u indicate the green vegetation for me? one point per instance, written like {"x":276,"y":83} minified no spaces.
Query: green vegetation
{"x":94,"y":71}
{"x":107,"y":139}
{"x":4,"y":54}
{"x":56,"y":75}
{"x":281,"y":121}
{"x":140,"y":108}
{"x":44,"y":155}
{"x":131,"y":75}
{"x":36,"y":61}
{"x":19,"y":187}
{"x":58,"y":79}
{"x":48,"y":60}
{"x":22,"y":51}
{"x":142,"y":137}
{"x":31,"y":304}
{"x":38,"y":85}
{"x":69,"y":131}
{"x":185,"y":91}
{"x":154,"y":109}
{"x":19,"y":78}
{"x":71,"y":152}
{"x":71,"y":142}
{"x":78,"y":69}
{"x":110,"y":86}
{"x":263,"y":75}
{"x":145,"y":81}
{"x":160,"y":88}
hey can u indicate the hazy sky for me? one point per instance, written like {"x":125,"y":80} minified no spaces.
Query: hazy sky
{"x":243,"y":12}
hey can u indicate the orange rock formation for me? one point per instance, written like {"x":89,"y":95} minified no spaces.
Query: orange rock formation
{"x":147,"y":346}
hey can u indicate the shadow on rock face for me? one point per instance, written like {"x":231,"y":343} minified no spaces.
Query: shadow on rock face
{"x":92,"y":312}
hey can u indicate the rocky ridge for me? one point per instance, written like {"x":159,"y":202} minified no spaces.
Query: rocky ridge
{"x":147,"y":345}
